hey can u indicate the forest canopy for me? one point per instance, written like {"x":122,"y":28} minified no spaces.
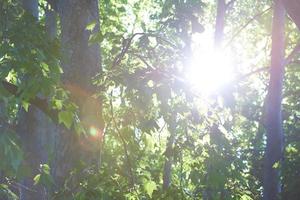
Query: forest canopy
{"x":149,"y":99}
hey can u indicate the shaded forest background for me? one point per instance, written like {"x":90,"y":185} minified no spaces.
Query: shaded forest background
{"x":97,"y":99}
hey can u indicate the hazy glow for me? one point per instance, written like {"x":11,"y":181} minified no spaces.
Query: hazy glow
{"x":209,"y":69}
{"x":93,"y":131}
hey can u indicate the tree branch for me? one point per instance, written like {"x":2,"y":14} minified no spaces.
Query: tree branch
{"x":40,"y":103}
{"x":292,"y":7}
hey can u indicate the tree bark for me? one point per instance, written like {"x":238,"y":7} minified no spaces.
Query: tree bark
{"x":37,"y":135}
{"x":32,"y":7}
{"x":167,"y":173}
{"x":220,"y":23}
{"x":274,"y":130}
{"x":28,"y":134}
{"x":50,"y":22}
{"x":36,"y":130}
{"x":81,"y":62}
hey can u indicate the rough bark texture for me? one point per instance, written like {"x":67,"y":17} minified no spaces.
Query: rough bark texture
{"x":29,"y":135}
{"x":36,"y":132}
{"x":81,"y":62}
{"x":274,"y":148}
{"x":293,"y":9}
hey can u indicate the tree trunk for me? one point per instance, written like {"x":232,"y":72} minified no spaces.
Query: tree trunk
{"x":32,"y":7}
{"x":28,"y":131}
{"x":37,"y":136}
{"x":36,"y":130}
{"x":81,"y":62}
{"x":218,"y":40}
{"x":220,"y":23}
{"x":50,"y":22}
{"x":274,"y":147}
{"x":167,"y":173}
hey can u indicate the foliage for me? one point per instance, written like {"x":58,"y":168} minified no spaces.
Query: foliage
{"x":147,"y":100}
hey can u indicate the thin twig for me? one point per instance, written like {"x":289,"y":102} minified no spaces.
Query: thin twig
{"x":124,"y":146}
{"x":246,"y":24}
{"x":144,"y":61}
{"x":19,"y":185}
{"x":287,"y":61}
{"x":262,"y":69}
{"x":127,"y":43}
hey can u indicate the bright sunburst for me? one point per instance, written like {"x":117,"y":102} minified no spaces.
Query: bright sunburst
{"x":209,"y":69}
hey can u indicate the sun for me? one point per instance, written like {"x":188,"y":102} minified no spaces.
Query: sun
{"x":209,"y":68}
{"x":209,"y":71}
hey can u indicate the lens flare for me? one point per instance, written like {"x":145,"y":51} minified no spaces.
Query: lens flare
{"x":93,"y":131}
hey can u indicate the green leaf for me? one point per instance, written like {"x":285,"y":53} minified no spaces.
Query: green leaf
{"x":276,"y":165}
{"x":91,"y":25}
{"x":58,"y":104}
{"x":66,"y":118}
{"x":149,"y":141}
{"x":246,"y":197}
{"x":122,"y":9}
{"x":96,"y":37}
{"x":45,"y":169}
{"x":44,"y":177}
{"x":37,"y":179}
{"x":25,"y":105}
{"x":149,"y":187}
